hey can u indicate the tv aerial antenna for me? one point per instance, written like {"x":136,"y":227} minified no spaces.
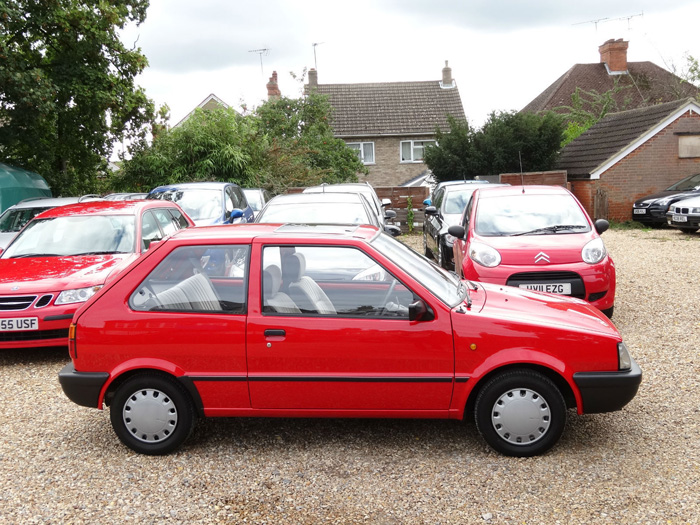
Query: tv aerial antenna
{"x":264,"y":51}
{"x":314,"y":46}
{"x":602,"y":20}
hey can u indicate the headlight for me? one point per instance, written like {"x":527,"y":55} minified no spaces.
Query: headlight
{"x":79,"y":295}
{"x":623,"y":357}
{"x":449,"y":239}
{"x":694,"y":210}
{"x":484,"y":255}
{"x":594,"y":251}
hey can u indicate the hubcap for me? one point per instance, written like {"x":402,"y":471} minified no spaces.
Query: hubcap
{"x":521,"y":416}
{"x":150,"y":415}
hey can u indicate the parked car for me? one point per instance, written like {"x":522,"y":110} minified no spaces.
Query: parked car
{"x":313,"y":329}
{"x":125,"y":196}
{"x":444,"y":208}
{"x":380,"y":207}
{"x":537,"y":238}
{"x":652,"y":209}
{"x":208,"y":203}
{"x":319,"y":208}
{"x":685,"y":215}
{"x":256,"y":197}
{"x":441,"y":185}
{"x":64,"y":255}
{"x":15,"y":217}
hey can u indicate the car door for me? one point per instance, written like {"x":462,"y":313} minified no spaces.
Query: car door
{"x":355,"y":351}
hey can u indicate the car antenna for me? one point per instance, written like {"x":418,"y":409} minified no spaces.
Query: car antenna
{"x":522,"y":180}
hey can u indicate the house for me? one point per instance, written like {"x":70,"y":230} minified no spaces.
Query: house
{"x":630,"y":154}
{"x":632,"y":84}
{"x":211,"y":102}
{"x":390,"y":123}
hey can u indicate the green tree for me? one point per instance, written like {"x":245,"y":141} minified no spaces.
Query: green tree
{"x":67,"y":89}
{"x":284,"y":143}
{"x":505,"y":140}
{"x":587,"y":108}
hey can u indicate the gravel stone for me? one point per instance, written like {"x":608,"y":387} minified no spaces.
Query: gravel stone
{"x":61,"y":463}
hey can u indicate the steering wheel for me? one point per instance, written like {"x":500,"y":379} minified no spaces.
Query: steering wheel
{"x":388,"y":296}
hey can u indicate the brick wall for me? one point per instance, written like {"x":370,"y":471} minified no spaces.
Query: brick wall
{"x":547,"y":178}
{"x":388,"y":170}
{"x":650,"y":168}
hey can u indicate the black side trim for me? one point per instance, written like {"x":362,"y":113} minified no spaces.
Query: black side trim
{"x":608,"y":391}
{"x":461,"y":379}
{"x":217,"y":378}
{"x":83,"y":388}
{"x":35,"y":335}
{"x":333,"y":379}
{"x":58,"y":317}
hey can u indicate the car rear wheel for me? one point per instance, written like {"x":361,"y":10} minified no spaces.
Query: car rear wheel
{"x":609,"y":312}
{"x":689,"y":230}
{"x":520,"y":413}
{"x":152,"y":414}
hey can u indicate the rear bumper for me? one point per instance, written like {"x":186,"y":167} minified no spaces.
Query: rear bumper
{"x":83,"y":388}
{"x":608,"y":391}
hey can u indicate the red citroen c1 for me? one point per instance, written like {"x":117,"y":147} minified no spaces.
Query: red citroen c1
{"x":64,"y":255}
{"x":274,"y":320}
{"x":537,"y":238}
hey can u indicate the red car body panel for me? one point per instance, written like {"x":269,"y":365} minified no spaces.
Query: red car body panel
{"x":521,"y":254}
{"x":44,"y":276}
{"x":334,"y":366}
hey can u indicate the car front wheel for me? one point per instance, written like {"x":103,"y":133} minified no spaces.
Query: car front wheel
{"x":152,"y":414}
{"x":520,"y":413}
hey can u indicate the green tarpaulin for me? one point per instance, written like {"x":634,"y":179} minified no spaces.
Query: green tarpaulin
{"x":17,"y":184}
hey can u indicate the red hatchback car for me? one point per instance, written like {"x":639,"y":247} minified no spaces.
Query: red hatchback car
{"x":537,"y":238}
{"x":334,"y":321}
{"x":64,"y":255}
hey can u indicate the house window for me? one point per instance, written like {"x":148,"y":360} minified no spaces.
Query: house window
{"x":689,"y":146}
{"x":365,"y":151}
{"x":412,"y":150}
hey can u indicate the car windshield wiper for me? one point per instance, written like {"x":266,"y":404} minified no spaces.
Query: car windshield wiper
{"x":551,"y":229}
{"x":24,"y":255}
{"x":94,"y":253}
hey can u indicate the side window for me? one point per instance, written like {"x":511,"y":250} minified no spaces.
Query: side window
{"x":150,"y":232}
{"x":197,"y":279}
{"x":239,"y":199}
{"x":467,"y":212}
{"x":166,"y":222}
{"x":179,"y":218}
{"x":330,"y":281}
{"x":437,"y":200}
{"x":230,"y":200}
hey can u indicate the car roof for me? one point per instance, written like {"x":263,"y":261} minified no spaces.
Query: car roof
{"x":304,"y":198}
{"x":105,"y":208}
{"x":499,"y":191}
{"x":194,"y":185}
{"x":45,"y":202}
{"x":249,"y":231}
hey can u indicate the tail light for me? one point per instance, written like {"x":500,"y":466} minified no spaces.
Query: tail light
{"x":72,"y":350}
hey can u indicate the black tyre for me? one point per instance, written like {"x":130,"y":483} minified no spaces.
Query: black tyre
{"x":609,"y":312}
{"x":152,"y":414}
{"x":520,"y":413}
{"x":689,"y":230}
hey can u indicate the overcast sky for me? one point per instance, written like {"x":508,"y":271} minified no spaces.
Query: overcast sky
{"x":502,"y":53}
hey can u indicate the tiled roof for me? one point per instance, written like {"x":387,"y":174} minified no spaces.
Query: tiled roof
{"x":646,"y":83}
{"x":391,"y":108}
{"x":611,"y":135}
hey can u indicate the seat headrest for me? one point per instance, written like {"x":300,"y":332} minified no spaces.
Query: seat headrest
{"x":272,"y":280}
{"x":293,"y":266}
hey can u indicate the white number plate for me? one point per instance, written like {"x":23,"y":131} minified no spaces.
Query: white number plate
{"x":679,"y":218}
{"x":558,"y":288}
{"x":640,"y":211}
{"x":18,"y":324}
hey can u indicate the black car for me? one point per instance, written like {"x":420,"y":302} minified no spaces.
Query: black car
{"x":651,"y":210}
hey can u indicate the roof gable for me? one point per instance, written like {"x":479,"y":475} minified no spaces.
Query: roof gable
{"x":211,"y":102}
{"x":391,"y":108}
{"x":616,"y":135}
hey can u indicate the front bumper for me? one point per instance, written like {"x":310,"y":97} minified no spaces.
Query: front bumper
{"x":83,"y":388}
{"x":608,"y":391}
{"x":653,"y":215}
{"x":692,"y":221}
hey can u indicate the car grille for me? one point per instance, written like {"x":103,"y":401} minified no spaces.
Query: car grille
{"x":19,"y":302}
{"x":578,"y":289}
{"x":34,"y":335}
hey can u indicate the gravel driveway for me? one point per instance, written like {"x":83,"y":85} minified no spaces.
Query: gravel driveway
{"x":62,"y":463}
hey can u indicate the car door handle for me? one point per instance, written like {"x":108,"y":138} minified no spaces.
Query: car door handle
{"x":273,"y":333}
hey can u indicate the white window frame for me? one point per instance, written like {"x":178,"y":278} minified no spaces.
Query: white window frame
{"x":689,"y":146}
{"x":415,"y":145}
{"x":359,"y":147}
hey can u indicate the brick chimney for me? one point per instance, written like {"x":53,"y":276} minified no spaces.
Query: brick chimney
{"x":273,"y":90}
{"x":447,"y":81}
{"x":613,"y":54}
{"x":313,"y":78}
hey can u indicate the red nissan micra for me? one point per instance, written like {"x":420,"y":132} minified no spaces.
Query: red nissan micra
{"x":334,"y":321}
{"x":537,"y":238}
{"x":64,"y":255}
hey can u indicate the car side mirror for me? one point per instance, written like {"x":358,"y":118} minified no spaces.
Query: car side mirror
{"x":427,"y":201}
{"x":234,"y":214}
{"x":392,"y":230}
{"x":430,"y":210}
{"x":417,"y":310}
{"x":457,"y":231}
{"x":389,"y":214}
{"x":601,"y":225}
{"x":386,"y":202}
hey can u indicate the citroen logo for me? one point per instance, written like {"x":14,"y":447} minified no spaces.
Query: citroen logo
{"x":541,"y":257}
